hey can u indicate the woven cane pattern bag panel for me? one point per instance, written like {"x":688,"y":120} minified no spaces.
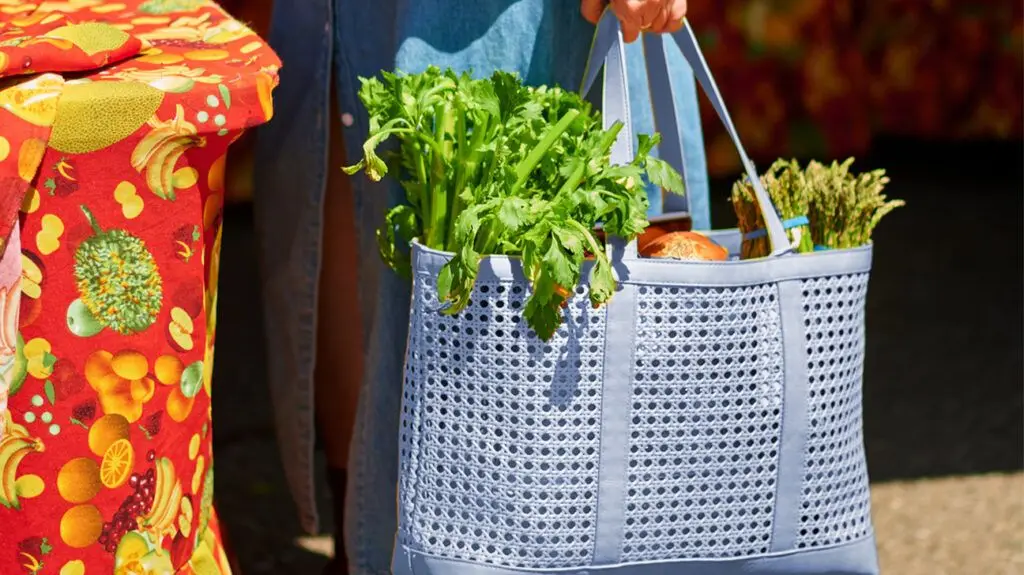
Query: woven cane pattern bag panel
{"x":706,"y":420}
{"x":501,"y":431}
{"x":836,"y":505}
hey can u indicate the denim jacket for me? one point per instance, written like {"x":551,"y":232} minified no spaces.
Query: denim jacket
{"x":545,"y":41}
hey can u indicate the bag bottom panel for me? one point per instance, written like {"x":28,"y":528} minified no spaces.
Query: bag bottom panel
{"x":856,"y":558}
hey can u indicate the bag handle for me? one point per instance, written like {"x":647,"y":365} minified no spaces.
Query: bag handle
{"x":615,"y":102}
{"x":608,"y":47}
{"x":662,"y":90}
{"x":608,"y":41}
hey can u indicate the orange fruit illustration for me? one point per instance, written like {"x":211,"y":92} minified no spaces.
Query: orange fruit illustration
{"x":29,"y":156}
{"x":120,"y":402}
{"x":168,"y":369}
{"x":79,"y":480}
{"x":178,"y":406}
{"x":212,"y":209}
{"x":117,"y":465}
{"x":105,"y":431}
{"x":129,"y":364}
{"x":215,"y":177}
{"x":121,"y":382}
{"x":81,"y":526}
{"x":98,"y":372}
{"x":143,"y":389}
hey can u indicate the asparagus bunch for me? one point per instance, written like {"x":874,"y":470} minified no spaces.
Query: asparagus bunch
{"x":787,"y":185}
{"x":845,"y":207}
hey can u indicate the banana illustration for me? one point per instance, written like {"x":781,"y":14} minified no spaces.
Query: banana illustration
{"x":158,"y":151}
{"x":14,"y":446}
{"x":164,"y":485}
{"x":12,"y":428}
{"x":33,"y":565}
{"x":63,"y":167}
{"x":185,"y":252}
{"x":167,"y":523}
{"x":161,"y":518}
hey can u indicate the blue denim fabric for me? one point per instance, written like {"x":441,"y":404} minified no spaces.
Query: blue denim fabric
{"x":545,"y":41}
{"x":290,"y":175}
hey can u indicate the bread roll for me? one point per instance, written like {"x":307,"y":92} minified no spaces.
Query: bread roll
{"x":684,"y":246}
{"x":652,"y":233}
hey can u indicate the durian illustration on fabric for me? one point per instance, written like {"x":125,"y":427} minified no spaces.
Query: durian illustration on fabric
{"x":118,"y":283}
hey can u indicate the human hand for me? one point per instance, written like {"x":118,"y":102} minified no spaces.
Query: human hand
{"x":635,"y":16}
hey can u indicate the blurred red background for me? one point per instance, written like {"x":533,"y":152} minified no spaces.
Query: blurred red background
{"x":822,"y":78}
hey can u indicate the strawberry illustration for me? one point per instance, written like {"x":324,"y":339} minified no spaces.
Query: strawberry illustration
{"x":63,"y":183}
{"x":84,"y":412}
{"x":151,"y":425}
{"x":185,"y":239}
{"x":31,"y":551}
{"x":66,"y":379}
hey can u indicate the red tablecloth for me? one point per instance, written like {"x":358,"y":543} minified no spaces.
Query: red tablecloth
{"x":115,"y":120}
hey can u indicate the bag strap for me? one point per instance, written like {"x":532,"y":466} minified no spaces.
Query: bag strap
{"x":687,"y":42}
{"x":608,"y":39}
{"x":666,"y":119}
{"x":607,"y":48}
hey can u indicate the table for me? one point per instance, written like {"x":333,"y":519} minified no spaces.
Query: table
{"x":115,"y":121}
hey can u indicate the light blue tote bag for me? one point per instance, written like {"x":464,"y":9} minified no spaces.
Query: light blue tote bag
{"x":706,"y":421}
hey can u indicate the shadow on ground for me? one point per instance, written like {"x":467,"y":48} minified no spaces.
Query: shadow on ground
{"x":943,"y":392}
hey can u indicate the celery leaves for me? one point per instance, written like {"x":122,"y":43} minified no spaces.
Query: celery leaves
{"x":490,"y":166}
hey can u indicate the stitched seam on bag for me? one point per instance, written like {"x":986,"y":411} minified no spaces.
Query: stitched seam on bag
{"x":600,"y":447}
{"x":628,"y":407}
{"x":783,"y":418}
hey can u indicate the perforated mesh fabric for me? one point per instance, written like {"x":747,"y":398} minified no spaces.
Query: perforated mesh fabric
{"x":500,"y":437}
{"x":501,"y":431}
{"x":705,"y":431}
{"x":836,"y":505}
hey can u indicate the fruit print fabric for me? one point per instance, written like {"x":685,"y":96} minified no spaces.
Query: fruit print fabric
{"x":28,"y":108}
{"x":110,"y":271}
{"x":49,"y":41}
{"x":10,"y":304}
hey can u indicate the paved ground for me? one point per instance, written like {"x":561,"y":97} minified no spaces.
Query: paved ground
{"x":943,"y":394}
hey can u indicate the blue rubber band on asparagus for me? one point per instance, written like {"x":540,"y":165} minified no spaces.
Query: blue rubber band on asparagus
{"x":786,"y":224}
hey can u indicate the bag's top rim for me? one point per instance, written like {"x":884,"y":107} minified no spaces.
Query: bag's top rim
{"x":667,"y":272}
